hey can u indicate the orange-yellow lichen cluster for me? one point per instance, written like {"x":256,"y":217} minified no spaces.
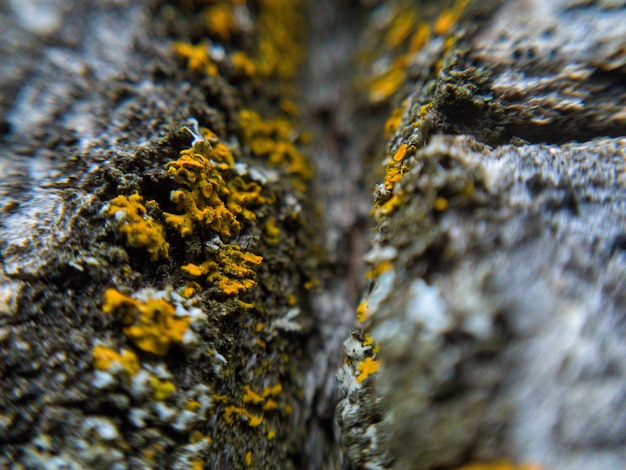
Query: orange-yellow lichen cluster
{"x":266,"y":398}
{"x":140,"y":230}
{"x":279,"y":47}
{"x":378,"y":269}
{"x":362,"y":312}
{"x":106,"y":358}
{"x":210,"y":194}
{"x":366,"y":368}
{"x":404,"y":35}
{"x":152,"y":326}
{"x":230,"y":412}
{"x":197,"y":57}
{"x":449,"y":17}
{"x":265,"y":401}
{"x":231,"y":269}
{"x":274,"y":140}
{"x":162,"y":389}
{"x":221,"y":21}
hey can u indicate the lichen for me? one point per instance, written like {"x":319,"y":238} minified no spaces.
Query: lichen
{"x":275,"y":141}
{"x":105,"y":358}
{"x":139,"y":229}
{"x":152,"y":326}
{"x":197,"y":57}
{"x":210,"y":192}
{"x":449,"y":17}
{"x":230,"y":269}
{"x":366,"y":368}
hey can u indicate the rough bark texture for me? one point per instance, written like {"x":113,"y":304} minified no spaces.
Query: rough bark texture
{"x":494,"y":326}
{"x":492,"y":310}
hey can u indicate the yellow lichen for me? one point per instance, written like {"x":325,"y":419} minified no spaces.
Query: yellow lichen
{"x":270,"y":405}
{"x":383,"y":86}
{"x":161,"y":389}
{"x":244,"y":64}
{"x":250,"y":396}
{"x":394,"y":121}
{"x":380,"y":268}
{"x":231,"y":270}
{"x":280,"y":48}
{"x":369,"y":342}
{"x":272,"y":231}
{"x":140,"y":230}
{"x":420,"y":38}
{"x":104,"y":358}
{"x":221,"y":21}
{"x":393,"y":175}
{"x":440,"y":204}
{"x":198,"y":59}
{"x":366,"y":368}
{"x":230,"y":412}
{"x":387,"y":207}
{"x":402,"y":24}
{"x":362,"y":312}
{"x":151,"y":325}
{"x":448,"y":18}
{"x":275,"y":141}
{"x":211,"y":194}
{"x":400,"y":153}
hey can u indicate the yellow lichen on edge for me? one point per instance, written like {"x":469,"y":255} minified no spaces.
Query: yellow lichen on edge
{"x":366,"y":368}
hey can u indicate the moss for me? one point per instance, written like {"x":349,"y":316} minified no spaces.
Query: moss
{"x":140,"y":230}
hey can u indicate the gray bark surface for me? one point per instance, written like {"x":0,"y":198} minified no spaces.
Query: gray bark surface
{"x":500,"y":319}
